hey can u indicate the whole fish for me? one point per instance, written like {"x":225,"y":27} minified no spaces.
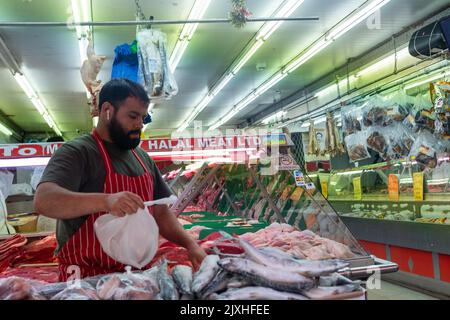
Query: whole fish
{"x":208,"y":269}
{"x":153,"y":275}
{"x":309,"y":268}
{"x":336,"y":279}
{"x":167,"y":287}
{"x":182,"y":275}
{"x":328,"y":292}
{"x":258,"y":293}
{"x":265,"y":276}
{"x":239,"y":282}
{"x":219,"y":283}
{"x":275,"y":252}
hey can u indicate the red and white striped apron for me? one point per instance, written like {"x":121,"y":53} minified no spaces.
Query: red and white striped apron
{"x":83,"y":250}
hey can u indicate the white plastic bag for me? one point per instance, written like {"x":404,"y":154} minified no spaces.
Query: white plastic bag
{"x":131,"y":240}
{"x":6,"y":181}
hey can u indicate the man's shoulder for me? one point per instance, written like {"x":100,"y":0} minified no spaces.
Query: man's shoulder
{"x":144,"y":156}
{"x":82,"y":143}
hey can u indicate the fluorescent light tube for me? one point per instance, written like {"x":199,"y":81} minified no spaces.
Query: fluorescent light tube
{"x":285,"y":10}
{"x":275,"y":116}
{"x":356,"y":18}
{"x":5,"y":130}
{"x":247,"y":56}
{"x":429,"y":79}
{"x":25,"y":85}
{"x":222,"y":84}
{"x":266,"y":86}
{"x":26,"y":162}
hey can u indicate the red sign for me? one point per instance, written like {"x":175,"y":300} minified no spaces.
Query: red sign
{"x":28,"y":150}
{"x":228,"y":143}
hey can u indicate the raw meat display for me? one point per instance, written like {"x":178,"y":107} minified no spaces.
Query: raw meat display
{"x":301,"y":244}
{"x":79,"y":290}
{"x":10,"y":249}
{"x":47,"y":274}
{"x":15,"y":288}
{"x":41,"y":251}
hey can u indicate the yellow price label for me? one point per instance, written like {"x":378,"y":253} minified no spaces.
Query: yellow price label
{"x":324,"y":186}
{"x":418,"y":186}
{"x":393,"y":189}
{"x":357,"y":192}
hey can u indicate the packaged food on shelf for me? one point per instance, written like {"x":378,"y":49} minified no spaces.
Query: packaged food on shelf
{"x":377,"y":141}
{"x":356,"y":145}
{"x":351,"y":119}
{"x":425,"y":149}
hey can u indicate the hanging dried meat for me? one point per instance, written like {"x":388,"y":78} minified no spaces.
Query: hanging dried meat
{"x":333,"y":145}
{"x":313,"y":145}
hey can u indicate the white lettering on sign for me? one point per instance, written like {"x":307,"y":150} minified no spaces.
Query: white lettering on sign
{"x":27,"y":151}
{"x":202,"y":143}
{"x":163,"y":145}
{"x":7,"y":150}
{"x":51,"y":149}
{"x":222,"y":143}
{"x":213,"y":143}
{"x":152,"y":144}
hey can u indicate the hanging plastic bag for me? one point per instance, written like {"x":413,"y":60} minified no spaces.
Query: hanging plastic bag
{"x":375,"y":113}
{"x":377,"y":141}
{"x":356,"y":147}
{"x":131,"y":240}
{"x":154,"y":72}
{"x":401,"y":140}
{"x":351,"y":119}
{"x":425,"y":149}
{"x":126,"y":62}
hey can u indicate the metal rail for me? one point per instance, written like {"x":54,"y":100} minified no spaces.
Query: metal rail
{"x":139,"y":22}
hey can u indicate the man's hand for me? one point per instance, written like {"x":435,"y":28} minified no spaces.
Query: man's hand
{"x":123,"y":203}
{"x":196,"y":255}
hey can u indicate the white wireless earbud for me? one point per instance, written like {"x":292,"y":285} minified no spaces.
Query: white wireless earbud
{"x":107,"y":114}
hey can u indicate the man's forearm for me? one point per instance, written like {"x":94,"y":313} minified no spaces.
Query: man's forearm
{"x":170,"y":228}
{"x":56,"y":202}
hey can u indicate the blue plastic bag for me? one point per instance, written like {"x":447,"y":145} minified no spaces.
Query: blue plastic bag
{"x":126,"y":62}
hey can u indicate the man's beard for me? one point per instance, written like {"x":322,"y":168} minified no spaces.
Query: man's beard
{"x":121,"y":138}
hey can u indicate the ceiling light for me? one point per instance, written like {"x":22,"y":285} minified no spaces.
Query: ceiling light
{"x":429,"y":79}
{"x":349,"y":22}
{"x":361,"y":13}
{"x":248,"y":55}
{"x":275,"y":117}
{"x":5,"y":130}
{"x":197,"y":12}
{"x":285,"y":10}
{"x":25,"y":162}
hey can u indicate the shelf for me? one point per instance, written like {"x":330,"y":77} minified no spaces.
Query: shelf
{"x":407,"y":234}
{"x":434,"y":197}
{"x":19,"y":198}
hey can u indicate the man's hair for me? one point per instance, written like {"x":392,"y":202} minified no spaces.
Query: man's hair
{"x":116,"y":91}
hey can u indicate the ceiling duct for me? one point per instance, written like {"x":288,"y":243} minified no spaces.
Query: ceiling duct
{"x":431,"y":39}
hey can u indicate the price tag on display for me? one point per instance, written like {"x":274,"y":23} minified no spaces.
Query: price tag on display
{"x":393,"y":188}
{"x":357,"y":192}
{"x":310,"y":186}
{"x":418,"y":186}
{"x":324,"y":186}
{"x":299,"y":179}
